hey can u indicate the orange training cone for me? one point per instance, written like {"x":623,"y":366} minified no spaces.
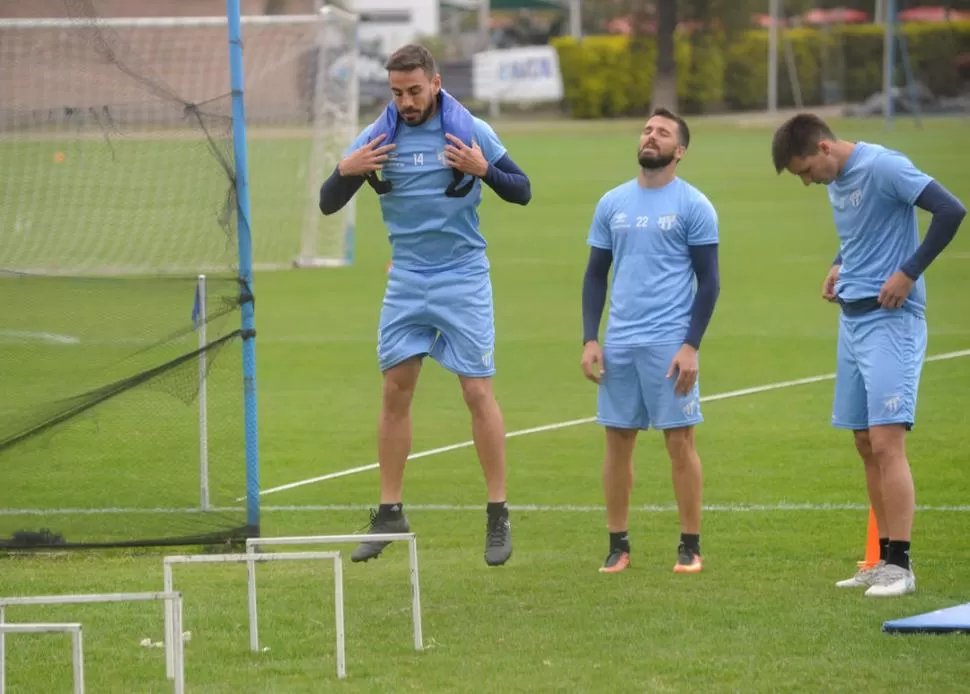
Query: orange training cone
{"x":872,"y":543}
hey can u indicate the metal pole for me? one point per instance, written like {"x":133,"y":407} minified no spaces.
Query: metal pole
{"x":773,"y":56}
{"x":576,"y":19}
{"x":245,"y":264}
{"x":484,"y":19}
{"x":203,"y":398}
{"x":889,"y":61}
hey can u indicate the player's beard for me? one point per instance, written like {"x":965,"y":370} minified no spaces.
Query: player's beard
{"x":653,"y":161}
{"x":422,"y":119}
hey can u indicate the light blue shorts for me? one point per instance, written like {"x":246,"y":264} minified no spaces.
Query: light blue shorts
{"x":447,"y":315}
{"x":635,"y":392}
{"x":880,"y":357}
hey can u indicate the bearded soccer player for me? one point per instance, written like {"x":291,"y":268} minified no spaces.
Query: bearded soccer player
{"x":432,"y":156}
{"x":660,"y":235}
{"x":877,"y":280}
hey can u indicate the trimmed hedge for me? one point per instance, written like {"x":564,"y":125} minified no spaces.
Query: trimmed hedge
{"x":607,"y":76}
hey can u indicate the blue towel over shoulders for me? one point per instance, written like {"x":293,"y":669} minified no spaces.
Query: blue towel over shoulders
{"x":455,"y":120}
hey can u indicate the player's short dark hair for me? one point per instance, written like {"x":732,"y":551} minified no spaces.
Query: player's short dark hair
{"x":798,"y":137}
{"x":683,"y":132}
{"x":412,"y":57}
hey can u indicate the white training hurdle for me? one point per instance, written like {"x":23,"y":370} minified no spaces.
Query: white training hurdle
{"x":254,"y":542}
{"x":174,"y":648}
{"x":173,"y":600}
{"x":250,"y":559}
{"x":38,"y":628}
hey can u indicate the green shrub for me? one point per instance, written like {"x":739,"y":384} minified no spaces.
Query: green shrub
{"x":606,"y":76}
{"x":850,"y":58}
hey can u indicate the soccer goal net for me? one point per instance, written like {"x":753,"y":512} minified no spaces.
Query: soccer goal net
{"x":122,"y":399}
{"x":116,"y":135}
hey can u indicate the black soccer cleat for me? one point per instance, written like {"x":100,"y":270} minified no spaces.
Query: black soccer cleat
{"x":688,"y":561}
{"x":498,"y":539}
{"x":616,"y":561}
{"x":379,"y":523}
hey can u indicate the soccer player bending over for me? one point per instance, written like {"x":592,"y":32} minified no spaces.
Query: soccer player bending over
{"x":660,"y":234}
{"x":433,"y":156}
{"x":877,"y":279}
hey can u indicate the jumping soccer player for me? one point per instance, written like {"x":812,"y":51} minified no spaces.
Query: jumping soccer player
{"x":661,"y":236}
{"x":877,"y":279}
{"x":432,"y":155}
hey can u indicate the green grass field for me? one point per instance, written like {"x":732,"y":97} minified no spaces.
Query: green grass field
{"x":786,"y":497}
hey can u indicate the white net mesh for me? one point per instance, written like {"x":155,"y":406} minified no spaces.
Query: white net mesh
{"x":115,"y":142}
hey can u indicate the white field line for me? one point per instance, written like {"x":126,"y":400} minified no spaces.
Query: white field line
{"x":457,"y":508}
{"x":733,"y":508}
{"x":575,"y":422}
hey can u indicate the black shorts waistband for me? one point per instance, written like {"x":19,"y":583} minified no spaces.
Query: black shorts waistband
{"x":859,"y":307}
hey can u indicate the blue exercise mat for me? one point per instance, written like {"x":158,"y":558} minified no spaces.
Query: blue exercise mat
{"x":947,"y":620}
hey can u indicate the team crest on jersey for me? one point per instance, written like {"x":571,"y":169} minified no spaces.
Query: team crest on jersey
{"x":840,"y":202}
{"x":667,"y":221}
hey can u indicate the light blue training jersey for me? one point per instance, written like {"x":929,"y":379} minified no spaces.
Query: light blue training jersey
{"x":873,"y":201}
{"x":428,"y":230}
{"x":650,"y":231}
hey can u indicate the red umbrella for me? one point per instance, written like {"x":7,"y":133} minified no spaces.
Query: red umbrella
{"x":620,"y":25}
{"x":838,"y":15}
{"x":764,"y":20}
{"x":931,"y":15}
